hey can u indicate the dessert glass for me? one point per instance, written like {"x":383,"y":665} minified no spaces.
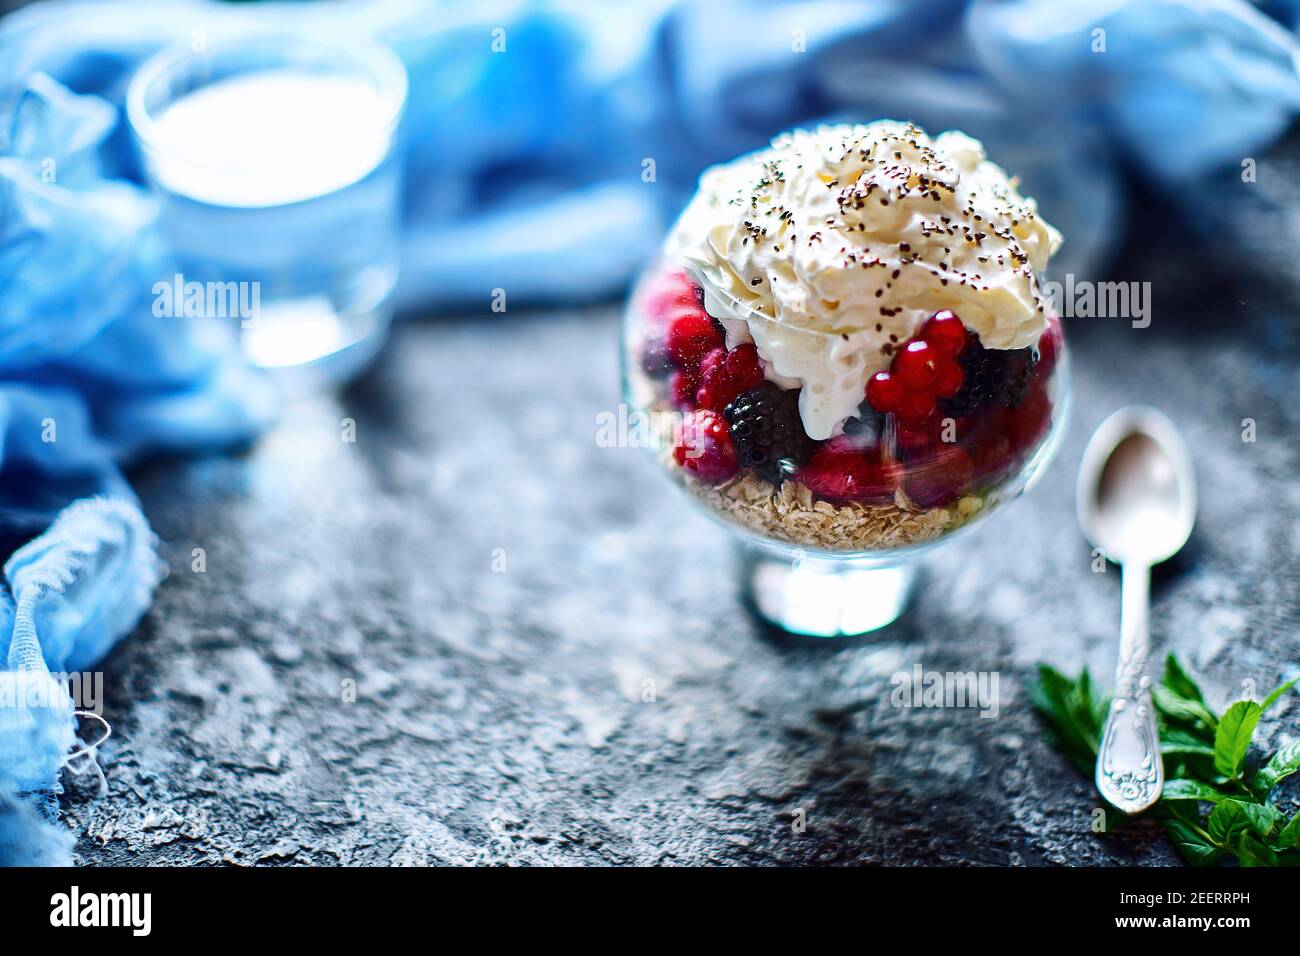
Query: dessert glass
{"x":830,"y":531}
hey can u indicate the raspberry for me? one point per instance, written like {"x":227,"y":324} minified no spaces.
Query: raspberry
{"x":724,"y":375}
{"x":682,"y":387}
{"x":669,"y":294}
{"x":839,"y":472}
{"x":691,"y":336}
{"x":767,"y":430}
{"x":940,"y":479}
{"x":944,"y":331}
{"x":744,"y":366}
{"x":710,"y":363}
{"x":705,"y":448}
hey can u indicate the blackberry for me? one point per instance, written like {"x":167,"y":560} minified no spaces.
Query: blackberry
{"x":989,"y":375}
{"x":1017,"y":371}
{"x":766,"y":430}
{"x":867,"y":427}
{"x":979,"y":368}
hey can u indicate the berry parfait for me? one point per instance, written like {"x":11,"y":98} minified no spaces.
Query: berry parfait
{"x":846,"y":358}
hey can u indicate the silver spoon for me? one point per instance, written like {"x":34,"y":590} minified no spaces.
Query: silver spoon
{"x":1137,"y":503}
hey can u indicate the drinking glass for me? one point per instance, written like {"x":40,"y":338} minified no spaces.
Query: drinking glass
{"x":276,"y":162}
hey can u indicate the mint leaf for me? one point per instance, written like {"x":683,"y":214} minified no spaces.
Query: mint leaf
{"x":1071,"y":710}
{"x":1290,"y":835}
{"x":1182,"y":789}
{"x":1283,"y":763}
{"x":1232,"y":739}
{"x":1092,"y":703}
{"x":1175,"y":740}
{"x":1278,"y":691}
{"x":1203,"y":753}
{"x":1191,"y":844}
{"x":1260,"y":816}
{"x":1226,"y":820}
{"x":1178,"y":681}
{"x":1174,"y":706}
{"x":1252,"y":852}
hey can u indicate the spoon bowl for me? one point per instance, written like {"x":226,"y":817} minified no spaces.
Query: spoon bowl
{"x":1137,"y":489}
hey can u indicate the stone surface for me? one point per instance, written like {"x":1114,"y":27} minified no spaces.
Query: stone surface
{"x":501,"y":590}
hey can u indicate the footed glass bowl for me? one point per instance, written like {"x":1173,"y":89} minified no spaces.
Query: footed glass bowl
{"x":831,"y":523}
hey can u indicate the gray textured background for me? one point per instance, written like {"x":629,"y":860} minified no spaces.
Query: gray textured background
{"x":499,"y":715}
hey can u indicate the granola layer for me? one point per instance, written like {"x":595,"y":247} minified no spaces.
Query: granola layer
{"x":790,"y":513}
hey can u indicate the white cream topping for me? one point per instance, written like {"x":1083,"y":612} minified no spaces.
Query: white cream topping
{"x":831,"y":246}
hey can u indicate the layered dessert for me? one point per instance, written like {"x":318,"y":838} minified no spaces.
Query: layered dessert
{"x":849,"y":330}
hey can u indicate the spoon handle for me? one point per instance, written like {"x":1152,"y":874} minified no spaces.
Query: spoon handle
{"x":1129,"y":772}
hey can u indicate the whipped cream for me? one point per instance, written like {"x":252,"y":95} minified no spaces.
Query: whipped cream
{"x":832,"y":246}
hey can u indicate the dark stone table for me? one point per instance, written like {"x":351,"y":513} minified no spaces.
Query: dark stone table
{"x":500,"y":589}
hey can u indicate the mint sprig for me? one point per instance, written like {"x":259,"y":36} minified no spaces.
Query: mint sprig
{"x":1214,"y":806}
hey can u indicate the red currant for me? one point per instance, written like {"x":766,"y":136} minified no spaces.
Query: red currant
{"x":884,"y":392}
{"x":915,"y":407}
{"x":949,"y":379}
{"x":945,"y":332}
{"x":917,"y":365}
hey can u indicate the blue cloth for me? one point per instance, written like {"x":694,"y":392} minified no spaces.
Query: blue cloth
{"x":547,"y":145}
{"x":525,"y":166}
{"x":73,"y":592}
{"x":90,"y":380}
